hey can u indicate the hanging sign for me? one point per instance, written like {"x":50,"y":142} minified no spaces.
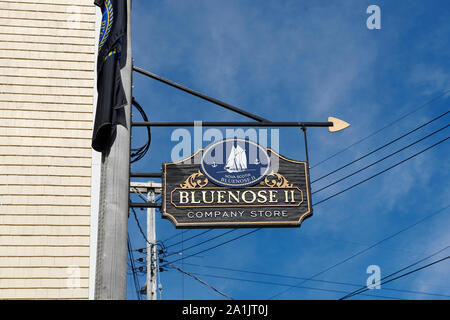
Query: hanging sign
{"x":236,"y":183}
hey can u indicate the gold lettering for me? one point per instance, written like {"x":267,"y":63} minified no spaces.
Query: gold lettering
{"x":262,"y":196}
{"x":193,"y":197}
{"x":292,"y":196}
{"x":232,"y":195}
{"x":204,"y":197}
{"x":220,"y":196}
{"x":272,"y":196}
{"x":246,"y":196}
{"x":253,"y":196}
{"x":289,"y":196}
{"x":184,"y":197}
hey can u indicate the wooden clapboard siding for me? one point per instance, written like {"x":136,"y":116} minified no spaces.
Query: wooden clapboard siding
{"x":46,"y":107}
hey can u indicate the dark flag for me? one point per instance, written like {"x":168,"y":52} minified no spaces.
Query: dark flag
{"x":112,"y":52}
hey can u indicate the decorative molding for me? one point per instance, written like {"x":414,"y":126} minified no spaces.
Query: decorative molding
{"x":195,"y":180}
{"x":276,"y":180}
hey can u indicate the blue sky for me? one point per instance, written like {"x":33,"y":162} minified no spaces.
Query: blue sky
{"x":305,"y":61}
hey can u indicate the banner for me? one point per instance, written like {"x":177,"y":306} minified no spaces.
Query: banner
{"x":111,"y":59}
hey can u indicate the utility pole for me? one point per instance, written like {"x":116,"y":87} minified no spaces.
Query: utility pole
{"x":151,"y":249}
{"x":150,"y":188}
{"x":110,"y":282}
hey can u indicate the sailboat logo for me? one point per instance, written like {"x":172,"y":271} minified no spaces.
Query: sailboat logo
{"x":237,"y":160}
{"x":235,"y":163}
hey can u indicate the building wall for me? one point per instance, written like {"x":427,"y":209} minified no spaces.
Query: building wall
{"x":46,"y":111}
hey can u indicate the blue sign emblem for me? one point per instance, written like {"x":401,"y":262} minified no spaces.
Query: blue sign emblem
{"x":235,"y":163}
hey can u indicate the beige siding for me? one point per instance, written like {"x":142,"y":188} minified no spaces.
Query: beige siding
{"x":46,"y":105}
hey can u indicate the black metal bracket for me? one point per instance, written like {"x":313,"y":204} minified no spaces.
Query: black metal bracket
{"x":144,"y":205}
{"x":260,"y":122}
{"x":307,"y":164}
{"x":199,"y":95}
{"x":145,"y":175}
{"x":229,"y":124}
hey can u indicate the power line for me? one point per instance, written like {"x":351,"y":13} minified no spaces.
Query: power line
{"x":313,"y":280}
{"x":201,"y":281}
{"x":195,"y":236}
{"x":176,"y":235}
{"x":383,"y":171}
{"x":283,"y":284}
{"x":143,"y":234}
{"x":364,"y":288}
{"x":139,"y":227}
{"x":133,"y":269}
{"x":213,"y":247}
{"x":367,"y":249}
{"x":385,"y":127}
{"x":182,"y":241}
{"x":380,"y":148}
{"x":182,"y":264}
{"x":203,"y":242}
{"x":415,"y":270}
{"x":382,"y":159}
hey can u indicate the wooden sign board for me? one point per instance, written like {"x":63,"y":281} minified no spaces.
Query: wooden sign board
{"x":238,"y":191}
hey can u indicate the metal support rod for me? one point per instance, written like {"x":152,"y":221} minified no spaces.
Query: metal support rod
{"x":228,"y":124}
{"x":144,"y":205}
{"x":145,"y":174}
{"x":199,"y":95}
{"x":307,"y":166}
{"x":306,"y":144}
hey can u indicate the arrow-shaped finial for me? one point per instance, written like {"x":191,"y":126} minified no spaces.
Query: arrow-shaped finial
{"x":338,"y":124}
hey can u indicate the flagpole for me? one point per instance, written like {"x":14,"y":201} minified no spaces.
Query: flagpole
{"x":111,"y":268}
